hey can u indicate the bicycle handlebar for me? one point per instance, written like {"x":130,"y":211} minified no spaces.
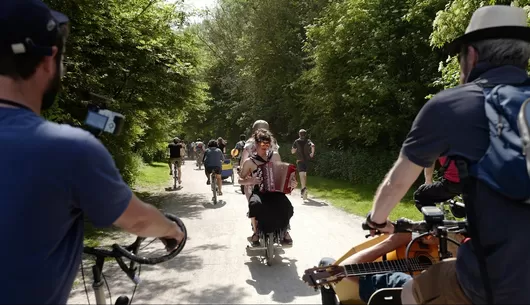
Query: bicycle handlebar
{"x":131,"y":251}
{"x":404,"y":225}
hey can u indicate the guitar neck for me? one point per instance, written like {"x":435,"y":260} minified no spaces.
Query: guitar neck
{"x":399,"y":265}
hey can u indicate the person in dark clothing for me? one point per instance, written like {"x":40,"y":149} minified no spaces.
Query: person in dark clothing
{"x":305,"y":151}
{"x":447,"y":188}
{"x":213,"y":163}
{"x":176,"y":152}
{"x":239,"y":148}
{"x":55,"y":177}
{"x":221,"y":144}
{"x":454,"y":123}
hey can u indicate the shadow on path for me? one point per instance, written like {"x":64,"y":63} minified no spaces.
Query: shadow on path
{"x":281,"y":278}
{"x":315,"y":203}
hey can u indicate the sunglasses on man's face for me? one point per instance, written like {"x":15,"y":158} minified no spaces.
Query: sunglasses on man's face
{"x":265,"y":143}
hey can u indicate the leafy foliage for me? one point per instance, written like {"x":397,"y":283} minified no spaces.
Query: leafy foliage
{"x":135,"y":53}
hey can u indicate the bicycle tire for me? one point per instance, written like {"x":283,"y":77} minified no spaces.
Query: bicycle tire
{"x":269,"y":250}
{"x":213,"y":179}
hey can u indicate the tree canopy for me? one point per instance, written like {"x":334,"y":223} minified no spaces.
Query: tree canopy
{"x":354,"y":73}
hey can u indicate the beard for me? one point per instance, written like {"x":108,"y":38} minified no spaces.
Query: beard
{"x":48,"y":99}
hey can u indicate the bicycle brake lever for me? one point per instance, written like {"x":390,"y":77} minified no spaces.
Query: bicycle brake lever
{"x":130,"y":272}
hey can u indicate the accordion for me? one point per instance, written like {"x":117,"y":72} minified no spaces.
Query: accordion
{"x":278,"y":177}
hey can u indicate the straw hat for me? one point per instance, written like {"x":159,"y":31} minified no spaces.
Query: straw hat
{"x":493,"y":22}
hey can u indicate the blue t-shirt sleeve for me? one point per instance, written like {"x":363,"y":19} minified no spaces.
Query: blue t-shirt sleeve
{"x":98,"y":187}
{"x":428,"y":136}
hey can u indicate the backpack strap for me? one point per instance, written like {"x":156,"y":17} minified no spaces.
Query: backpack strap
{"x":467,"y":188}
{"x":444,"y":166}
{"x":483,"y":83}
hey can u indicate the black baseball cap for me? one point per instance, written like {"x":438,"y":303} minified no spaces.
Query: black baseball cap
{"x":28,"y":27}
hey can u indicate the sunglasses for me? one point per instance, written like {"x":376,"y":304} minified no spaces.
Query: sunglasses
{"x":265,"y":143}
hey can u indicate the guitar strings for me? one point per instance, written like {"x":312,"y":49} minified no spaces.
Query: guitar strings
{"x":386,"y":266}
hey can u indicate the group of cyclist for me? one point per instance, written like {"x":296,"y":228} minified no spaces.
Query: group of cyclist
{"x":74,"y":175}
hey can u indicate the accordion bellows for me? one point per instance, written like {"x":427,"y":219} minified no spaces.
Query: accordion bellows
{"x":278,"y":177}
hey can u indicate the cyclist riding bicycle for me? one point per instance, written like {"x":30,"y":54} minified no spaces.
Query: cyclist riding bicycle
{"x":487,"y":269}
{"x":176,"y":153}
{"x":272,"y":210}
{"x":46,"y":221}
{"x":213,"y":162}
{"x":199,"y":150}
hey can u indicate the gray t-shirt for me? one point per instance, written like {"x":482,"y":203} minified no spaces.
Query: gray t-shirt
{"x":454,"y":123}
{"x":303,"y":149}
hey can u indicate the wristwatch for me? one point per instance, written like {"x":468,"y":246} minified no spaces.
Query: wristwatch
{"x":374,"y":225}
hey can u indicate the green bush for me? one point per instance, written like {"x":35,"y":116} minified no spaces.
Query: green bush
{"x":360,"y":166}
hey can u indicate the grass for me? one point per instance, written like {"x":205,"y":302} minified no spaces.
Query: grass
{"x":155,"y":174}
{"x":357,"y":199}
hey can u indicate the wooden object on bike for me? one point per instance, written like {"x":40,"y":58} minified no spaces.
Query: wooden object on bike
{"x":278,"y":177}
{"x":421,"y":255}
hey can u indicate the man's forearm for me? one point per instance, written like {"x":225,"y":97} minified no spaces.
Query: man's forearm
{"x":153,"y":224}
{"x":394,"y":187}
{"x":393,"y":242}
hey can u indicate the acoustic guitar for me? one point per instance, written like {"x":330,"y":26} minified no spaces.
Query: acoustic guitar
{"x":421,"y":257}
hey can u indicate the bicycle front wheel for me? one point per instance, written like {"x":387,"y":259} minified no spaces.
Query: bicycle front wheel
{"x":214,"y":188}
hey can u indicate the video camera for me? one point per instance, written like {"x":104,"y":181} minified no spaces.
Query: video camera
{"x":102,"y":120}
{"x":105,"y":120}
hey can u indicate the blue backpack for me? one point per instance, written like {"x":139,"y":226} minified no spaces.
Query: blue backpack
{"x":504,"y":167}
{"x":523,"y":121}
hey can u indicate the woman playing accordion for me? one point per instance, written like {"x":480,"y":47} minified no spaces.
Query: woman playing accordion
{"x":269,"y":207}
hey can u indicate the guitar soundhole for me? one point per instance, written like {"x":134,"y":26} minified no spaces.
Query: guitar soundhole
{"x":424,"y":260}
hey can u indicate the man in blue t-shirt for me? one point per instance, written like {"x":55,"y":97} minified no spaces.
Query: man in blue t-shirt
{"x":51,"y":175}
{"x":213,"y":163}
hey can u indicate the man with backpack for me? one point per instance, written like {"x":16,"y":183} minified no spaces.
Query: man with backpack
{"x":305,"y":151}
{"x":479,"y":131}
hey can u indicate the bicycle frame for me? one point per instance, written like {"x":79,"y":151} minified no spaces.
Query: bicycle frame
{"x":97,"y":285}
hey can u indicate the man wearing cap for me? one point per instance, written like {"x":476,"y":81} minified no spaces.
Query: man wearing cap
{"x":305,"y":151}
{"x":52,"y":175}
{"x":495,"y":49}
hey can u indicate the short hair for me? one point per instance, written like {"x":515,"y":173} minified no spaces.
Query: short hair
{"x":212,"y":143}
{"x":499,"y":52}
{"x":242,"y":137}
{"x":24,"y":66}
